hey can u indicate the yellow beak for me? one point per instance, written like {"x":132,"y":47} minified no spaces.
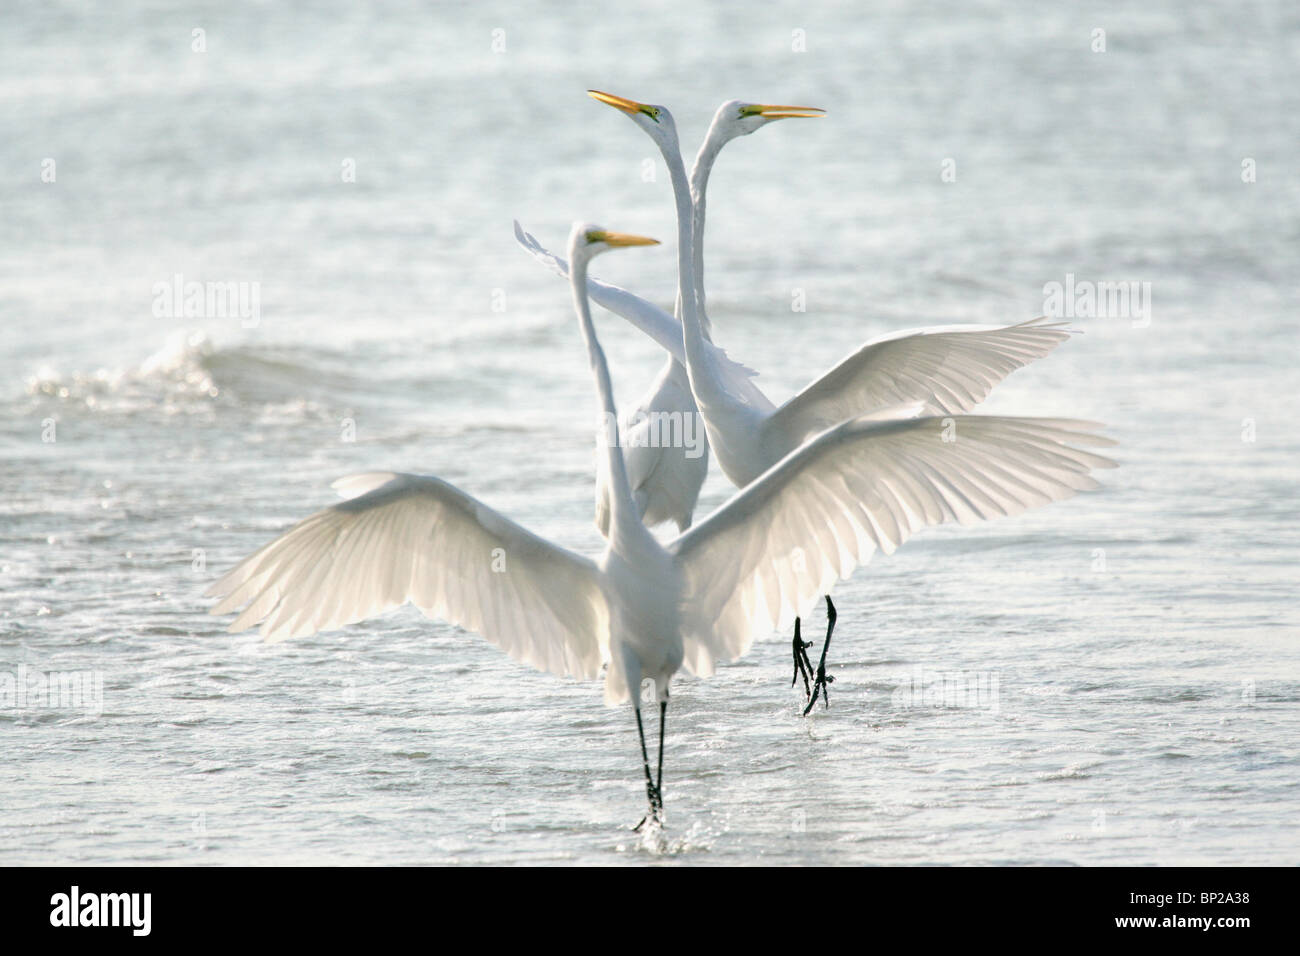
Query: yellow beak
{"x":788,"y":112}
{"x":618,"y":239}
{"x":631,"y":107}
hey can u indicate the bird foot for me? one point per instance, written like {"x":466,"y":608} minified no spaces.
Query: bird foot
{"x":819,"y":684}
{"x":656,"y":808}
{"x":802,"y":666}
{"x":653,"y":819}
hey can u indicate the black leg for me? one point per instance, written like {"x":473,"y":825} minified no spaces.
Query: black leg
{"x":651,"y":791}
{"x":802,"y":666}
{"x":659,"y":777}
{"x":823,"y":678}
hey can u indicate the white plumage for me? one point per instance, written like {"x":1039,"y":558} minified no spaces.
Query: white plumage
{"x":760,"y":559}
{"x":948,"y":369}
{"x":418,"y":539}
{"x":862,"y":486}
{"x":818,"y":502}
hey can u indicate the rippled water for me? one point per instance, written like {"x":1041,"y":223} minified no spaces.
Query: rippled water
{"x":1121,"y":670}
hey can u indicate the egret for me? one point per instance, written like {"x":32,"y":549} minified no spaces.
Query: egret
{"x":940,"y":370}
{"x":665,"y":471}
{"x":666,"y":477}
{"x":643,"y":609}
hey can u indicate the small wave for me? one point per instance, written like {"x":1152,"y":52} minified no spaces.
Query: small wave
{"x":178,"y":364}
{"x":1075,"y":771}
{"x":190,"y":373}
{"x":1187,"y":695}
{"x":653,"y":840}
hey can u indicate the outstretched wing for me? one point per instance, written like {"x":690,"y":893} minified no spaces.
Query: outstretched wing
{"x":419,"y":539}
{"x":773,"y":548}
{"x":950,"y":368}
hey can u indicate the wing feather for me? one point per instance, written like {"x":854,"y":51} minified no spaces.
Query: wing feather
{"x":861,"y":486}
{"x":419,"y":539}
{"x":950,"y":369}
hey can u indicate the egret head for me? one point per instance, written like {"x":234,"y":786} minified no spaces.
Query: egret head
{"x":738,"y":118}
{"x":655,"y":120}
{"x":588,"y":240}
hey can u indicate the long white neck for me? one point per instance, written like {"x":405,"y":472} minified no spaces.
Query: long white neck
{"x":704,"y":160}
{"x":704,"y":383}
{"x":625,"y":522}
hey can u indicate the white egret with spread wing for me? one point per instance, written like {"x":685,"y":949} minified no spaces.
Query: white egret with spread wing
{"x":643,"y":609}
{"x":940,"y":370}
